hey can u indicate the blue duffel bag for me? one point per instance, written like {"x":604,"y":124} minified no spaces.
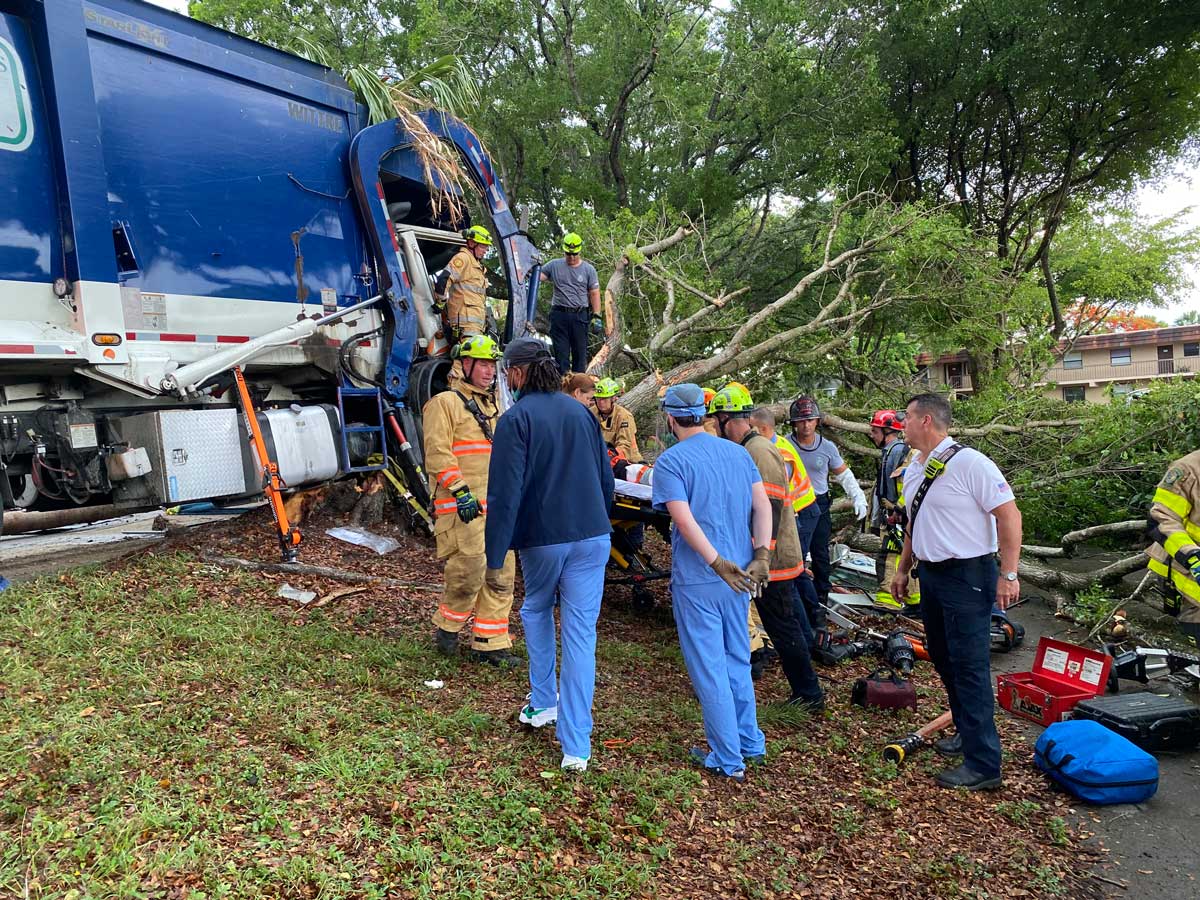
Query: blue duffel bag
{"x":1095,"y":764}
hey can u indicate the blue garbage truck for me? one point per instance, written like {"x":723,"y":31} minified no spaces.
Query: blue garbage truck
{"x":176,"y":200}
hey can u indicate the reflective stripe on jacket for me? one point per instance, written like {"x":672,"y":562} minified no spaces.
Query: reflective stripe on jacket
{"x":466,"y":293}
{"x":787,"y":560}
{"x":1175,"y":513}
{"x":802,"y":493}
{"x":457,"y":452}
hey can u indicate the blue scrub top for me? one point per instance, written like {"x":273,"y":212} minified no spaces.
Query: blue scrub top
{"x":715,"y":477}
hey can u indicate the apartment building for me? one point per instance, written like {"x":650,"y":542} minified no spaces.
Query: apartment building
{"x":1084,"y":373}
{"x":1124,"y":362}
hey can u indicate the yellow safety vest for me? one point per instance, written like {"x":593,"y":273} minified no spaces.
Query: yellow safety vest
{"x":801,"y":489}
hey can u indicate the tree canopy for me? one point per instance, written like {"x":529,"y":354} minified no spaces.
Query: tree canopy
{"x":974,"y":160}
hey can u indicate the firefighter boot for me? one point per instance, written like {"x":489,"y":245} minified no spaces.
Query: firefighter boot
{"x":446,"y":642}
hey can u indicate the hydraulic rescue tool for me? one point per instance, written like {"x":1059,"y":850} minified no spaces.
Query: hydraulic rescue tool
{"x":899,"y":750}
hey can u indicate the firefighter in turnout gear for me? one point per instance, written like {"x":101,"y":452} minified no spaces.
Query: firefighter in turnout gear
{"x":887,"y":512}
{"x":616,"y":422}
{"x":1175,"y":527}
{"x":459,"y":424}
{"x":460,"y":290}
{"x":775,"y":569}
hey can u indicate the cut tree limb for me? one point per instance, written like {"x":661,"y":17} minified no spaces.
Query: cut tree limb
{"x":233,"y":562}
{"x":1072,"y":539}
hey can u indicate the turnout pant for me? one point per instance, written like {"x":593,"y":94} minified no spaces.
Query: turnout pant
{"x":956,"y":606}
{"x":711,"y":621}
{"x":575,"y":572}
{"x":777,"y":609}
{"x":465,"y":593}
{"x":886,"y":565}
{"x":569,"y":334}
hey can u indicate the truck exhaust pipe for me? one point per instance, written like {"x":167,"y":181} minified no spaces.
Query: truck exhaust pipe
{"x":26,"y":522}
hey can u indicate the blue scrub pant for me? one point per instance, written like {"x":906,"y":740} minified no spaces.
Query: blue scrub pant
{"x":956,"y":606}
{"x":575,"y":572}
{"x":711,"y":620}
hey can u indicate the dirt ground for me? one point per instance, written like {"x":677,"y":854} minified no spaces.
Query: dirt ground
{"x":1146,"y":850}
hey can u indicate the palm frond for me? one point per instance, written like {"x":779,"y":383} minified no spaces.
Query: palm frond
{"x":444,"y":84}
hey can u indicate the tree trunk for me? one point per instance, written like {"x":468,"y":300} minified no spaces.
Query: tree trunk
{"x":1062,"y":587}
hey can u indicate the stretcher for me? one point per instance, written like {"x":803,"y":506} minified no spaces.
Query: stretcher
{"x":628,"y":562}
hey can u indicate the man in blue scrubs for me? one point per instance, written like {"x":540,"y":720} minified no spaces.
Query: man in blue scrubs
{"x":715,"y":497}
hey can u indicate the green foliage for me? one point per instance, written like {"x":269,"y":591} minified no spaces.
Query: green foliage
{"x":1091,"y":606}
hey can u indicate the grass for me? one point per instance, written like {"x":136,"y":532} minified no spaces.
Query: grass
{"x":171,"y":730}
{"x":151,"y":736}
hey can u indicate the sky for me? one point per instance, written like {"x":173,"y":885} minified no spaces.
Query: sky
{"x":1179,"y":190}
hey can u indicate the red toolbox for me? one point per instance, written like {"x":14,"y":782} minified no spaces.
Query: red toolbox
{"x":1063,"y":674}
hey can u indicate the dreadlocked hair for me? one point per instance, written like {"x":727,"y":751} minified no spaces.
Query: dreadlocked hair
{"x":541,"y":377}
{"x":577,"y":381}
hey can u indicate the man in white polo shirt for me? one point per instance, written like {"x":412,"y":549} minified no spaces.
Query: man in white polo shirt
{"x":959,"y":508}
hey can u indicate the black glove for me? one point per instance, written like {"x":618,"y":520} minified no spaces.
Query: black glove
{"x":468,"y":506}
{"x":596,"y":323}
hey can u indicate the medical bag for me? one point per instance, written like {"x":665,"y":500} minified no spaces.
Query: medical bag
{"x":1095,"y":764}
{"x":884,"y":691}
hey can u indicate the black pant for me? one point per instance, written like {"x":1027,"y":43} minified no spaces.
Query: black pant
{"x":787,"y":636}
{"x":569,"y":334}
{"x":956,"y":606}
{"x":818,"y":548}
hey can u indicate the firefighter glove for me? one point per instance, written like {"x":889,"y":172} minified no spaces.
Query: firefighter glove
{"x":760,"y":568}
{"x":732,"y":574}
{"x":1194,"y":567}
{"x":596,"y":323}
{"x":468,"y":506}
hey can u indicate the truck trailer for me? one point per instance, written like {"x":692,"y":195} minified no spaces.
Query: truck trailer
{"x":176,"y":199}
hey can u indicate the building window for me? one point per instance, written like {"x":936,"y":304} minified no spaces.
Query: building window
{"x":1073,"y":360}
{"x":1074,"y":393}
{"x":1192,"y":349}
{"x":1120,"y":356}
{"x":1122,"y":390}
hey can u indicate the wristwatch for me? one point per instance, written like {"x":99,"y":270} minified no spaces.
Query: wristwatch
{"x":1010,"y":576}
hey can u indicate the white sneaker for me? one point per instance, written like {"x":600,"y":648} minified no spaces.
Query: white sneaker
{"x":574,"y":763}
{"x":538,"y":718}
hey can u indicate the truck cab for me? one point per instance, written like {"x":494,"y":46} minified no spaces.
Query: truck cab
{"x":170,"y":192}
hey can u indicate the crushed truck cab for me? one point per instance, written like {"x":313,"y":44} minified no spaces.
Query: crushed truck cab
{"x":169,"y":191}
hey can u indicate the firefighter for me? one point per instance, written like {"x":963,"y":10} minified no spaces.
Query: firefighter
{"x":460,"y":290}
{"x":887,"y":513}
{"x":1175,"y":527}
{"x":776,"y":606}
{"x":823,"y":462}
{"x":575,"y":306}
{"x":616,"y":422}
{"x":458,"y":448}
{"x":804,"y":505}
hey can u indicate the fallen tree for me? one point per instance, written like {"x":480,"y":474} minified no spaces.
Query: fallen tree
{"x":850,"y":280}
{"x":1061,"y":586}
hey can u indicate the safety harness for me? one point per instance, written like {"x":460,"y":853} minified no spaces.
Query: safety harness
{"x":472,"y":406}
{"x":934,"y":468}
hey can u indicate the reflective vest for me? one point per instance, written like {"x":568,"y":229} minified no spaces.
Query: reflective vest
{"x":800,"y":487}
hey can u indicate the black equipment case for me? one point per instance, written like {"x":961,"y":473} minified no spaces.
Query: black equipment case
{"x":1148,"y":720}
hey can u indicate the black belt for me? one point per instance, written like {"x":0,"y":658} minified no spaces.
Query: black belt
{"x":579,"y":309}
{"x":954,"y":563}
